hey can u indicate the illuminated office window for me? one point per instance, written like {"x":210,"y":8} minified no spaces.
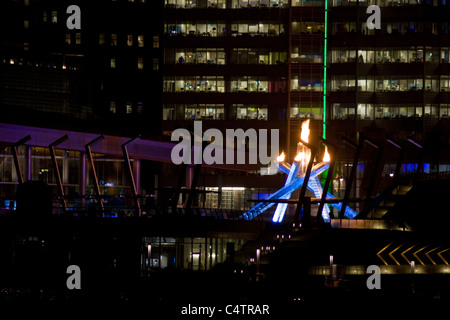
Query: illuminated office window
{"x":307,"y":3}
{"x":101,"y":38}
{"x":26,"y":24}
{"x":68,"y":38}
{"x":112,"y":107}
{"x":445,"y":55}
{"x":306,"y":110}
{"x":444,"y":111}
{"x":201,"y":111}
{"x":251,"y":112}
{"x":343,"y":111}
{"x":300,"y":27}
{"x":54,"y":16}
{"x":130,"y":40}
{"x":202,"y":28}
{"x":114,"y":39}
{"x":445,"y":83}
{"x":365,"y":111}
{"x":155,"y":41}
{"x":129,"y":108}
{"x":156,"y":64}
{"x":141,"y":40}
{"x":169,"y":112}
{"x":113,"y":63}
{"x":78,"y":38}
{"x":140,"y":64}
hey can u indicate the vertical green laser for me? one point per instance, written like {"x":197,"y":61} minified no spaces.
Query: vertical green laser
{"x":324,"y":111}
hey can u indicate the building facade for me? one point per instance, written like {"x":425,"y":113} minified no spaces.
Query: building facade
{"x":101,"y":77}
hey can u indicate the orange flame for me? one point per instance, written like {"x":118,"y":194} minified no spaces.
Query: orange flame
{"x":326,"y":155}
{"x":300,"y":156}
{"x":305,"y":131}
{"x":281,"y":157}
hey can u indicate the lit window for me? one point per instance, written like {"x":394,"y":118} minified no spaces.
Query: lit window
{"x":54,"y":16}
{"x":156,"y":64}
{"x":114,"y":39}
{"x":113,"y":63}
{"x":26,"y":3}
{"x":112,"y":107}
{"x":130,"y":40}
{"x":156,"y":42}
{"x":141,"y":40}
{"x":101,"y":38}
{"x":26,"y":46}
{"x":140,"y":64}
{"x":44,"y":17}
{"x":68,"y":39}
{"x":129,"y":108}
{"x":78,"y":38}
{"x":26,"y":24}
{"x":139,"y":107}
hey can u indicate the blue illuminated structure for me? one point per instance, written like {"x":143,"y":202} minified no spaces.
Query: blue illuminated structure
{"x":293,"y":182}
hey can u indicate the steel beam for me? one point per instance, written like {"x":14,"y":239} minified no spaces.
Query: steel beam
{"x":191,"y":194}
{"x":15,"y":154}
{"x":94,"y":172}
{"x":127,"y":160}
{"x":51,"y":148}
{"x":301,"y":197}
{"x":177,"y":192}
{"x":328,"y":178}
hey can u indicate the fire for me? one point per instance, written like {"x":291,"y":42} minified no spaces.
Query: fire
{"x":281,"y":157}
{"x":300,"y":156}
{"x":305,"y":131}
{"x":326,"y":155}
{"x":303,"y":157}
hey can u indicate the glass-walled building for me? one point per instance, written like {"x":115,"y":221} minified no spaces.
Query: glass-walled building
{"x":398,"y":72}
{"x":226,"y":61}
{"x":247,"y":60}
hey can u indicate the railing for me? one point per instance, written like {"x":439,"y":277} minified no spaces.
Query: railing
{"x":116,"y":207}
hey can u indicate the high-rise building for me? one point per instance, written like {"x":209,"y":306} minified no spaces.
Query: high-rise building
{"x":246,"y":64}
{"x":389,"y":81}
{"x":226,"y":63}
{"x":103,"y":76}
